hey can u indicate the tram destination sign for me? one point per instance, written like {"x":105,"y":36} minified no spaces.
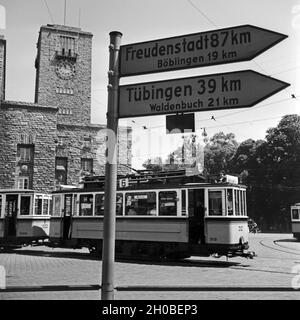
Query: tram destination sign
{"x":239,"y":89}
{"x":227,"y":45}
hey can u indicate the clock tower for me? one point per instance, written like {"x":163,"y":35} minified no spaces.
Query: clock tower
{"x":63,"y":72}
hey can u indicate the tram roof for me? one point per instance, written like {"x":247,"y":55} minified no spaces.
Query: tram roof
{"x":20,"y":191}
{"x":147,"y":186}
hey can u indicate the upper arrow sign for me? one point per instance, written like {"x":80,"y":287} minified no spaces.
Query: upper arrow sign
{"x":239,"y":89}
{"x":227,"y":45}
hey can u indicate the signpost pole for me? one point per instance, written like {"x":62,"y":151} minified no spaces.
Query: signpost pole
{"x":107,"y":287}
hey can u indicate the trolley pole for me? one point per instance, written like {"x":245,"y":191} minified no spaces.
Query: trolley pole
{"x":108,"y":257}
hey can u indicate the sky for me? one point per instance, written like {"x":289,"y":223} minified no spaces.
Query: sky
{"x":141,"y":20}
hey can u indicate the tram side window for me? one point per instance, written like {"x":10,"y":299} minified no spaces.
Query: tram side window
{"x":215,"y":203}
{"x":56,"y":206}
{"x":45,"y":206}
{"x":38,"y":205}
{"x":245,"y":203}
{"x":25,"y":205}
{"x":0,"y":206}
{"x":86,"y":205}
{"x":236,"y":203}
{"x":229,"y":202}
{"x":242,"y":203}
{"x":295,"y":214}
{"x":99,"y":204}
{"x":75,"y":205}
{"x":168,"y":203}
{"x":140,"y":204}
{"x":119,"y":204}
{"x":183,"y":202}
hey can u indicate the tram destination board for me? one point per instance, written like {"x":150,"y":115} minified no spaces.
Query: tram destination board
{"x":239,"y":89}
{"x":226,"y":45}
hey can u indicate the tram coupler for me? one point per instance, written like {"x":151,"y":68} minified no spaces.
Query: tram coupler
{"x":248,"y":254}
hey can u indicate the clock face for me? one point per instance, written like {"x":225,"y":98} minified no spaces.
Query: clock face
{"x":65,"y":69}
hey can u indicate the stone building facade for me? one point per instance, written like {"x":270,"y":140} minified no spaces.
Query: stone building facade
{"x":52,"y":141}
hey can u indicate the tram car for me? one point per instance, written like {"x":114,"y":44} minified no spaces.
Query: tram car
{"x":24,"y":217}
{"x":295,"y":219}
{"x":162,"y":215}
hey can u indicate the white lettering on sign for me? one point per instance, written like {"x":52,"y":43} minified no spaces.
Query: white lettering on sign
{"x":205,"y":48}
{"x":217,"y":91}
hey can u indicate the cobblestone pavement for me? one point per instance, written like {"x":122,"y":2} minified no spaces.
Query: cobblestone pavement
{"x":278,"y":257}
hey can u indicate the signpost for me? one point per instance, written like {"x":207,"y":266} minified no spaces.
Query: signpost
{"x":216,"y":91}
{"x":240,"y":89}
{"x":221,"y":46}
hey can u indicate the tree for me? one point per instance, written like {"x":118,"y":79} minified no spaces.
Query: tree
{"x":155,"y":164}
{"x":271,"y":170}
{"x":219,"y":152}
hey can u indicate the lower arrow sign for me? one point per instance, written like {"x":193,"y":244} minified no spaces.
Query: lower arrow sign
{"x":240,"y":89}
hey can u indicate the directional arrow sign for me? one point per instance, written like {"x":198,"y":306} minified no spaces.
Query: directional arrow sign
{"x":227,"y":45}
{"x":239,"y":89}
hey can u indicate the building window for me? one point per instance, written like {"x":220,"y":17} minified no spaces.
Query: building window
{"x":87,"y":165}
{"x":65,"y":111}
{"x":61,"y":140}
{"x":61,"y":170}
{"x":87,"y":143}
{"x":67,"y":47}
{"x":68,"y":91}
{"x":23,"y":183}
{"x":25,"y":153}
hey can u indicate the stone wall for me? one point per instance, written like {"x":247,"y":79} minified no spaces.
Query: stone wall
{"x":27,"y":123}
{"x":89,"y":142}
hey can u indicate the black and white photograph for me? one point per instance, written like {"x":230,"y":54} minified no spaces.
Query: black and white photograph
{"x":149,"y":151}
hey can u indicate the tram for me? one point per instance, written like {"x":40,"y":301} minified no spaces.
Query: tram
{"x":24,"y":217}
{"x":158,"y":215}
{"x":295,"y":219}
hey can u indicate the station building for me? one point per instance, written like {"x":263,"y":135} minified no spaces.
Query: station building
{"x":52,"y":142}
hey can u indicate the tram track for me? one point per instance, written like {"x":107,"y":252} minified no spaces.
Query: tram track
{"x":275,"y":242}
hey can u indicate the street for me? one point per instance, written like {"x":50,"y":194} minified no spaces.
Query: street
{"x":42,"y":273}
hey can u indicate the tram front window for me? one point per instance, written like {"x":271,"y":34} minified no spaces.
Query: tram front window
{"x":25,"y":205}
{"x":215,"y":203}
{"x":141,"y":204}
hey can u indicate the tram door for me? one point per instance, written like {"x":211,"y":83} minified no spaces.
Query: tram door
{"x":11,"y":211}
{"x":196,"y":216}
{"x":67,"y":218}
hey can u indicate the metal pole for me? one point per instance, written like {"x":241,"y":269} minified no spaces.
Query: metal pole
{"x":107,"y":288}
{"x":65,"y":12}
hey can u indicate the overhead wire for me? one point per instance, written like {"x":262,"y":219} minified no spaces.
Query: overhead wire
{"x":49,"y":11}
